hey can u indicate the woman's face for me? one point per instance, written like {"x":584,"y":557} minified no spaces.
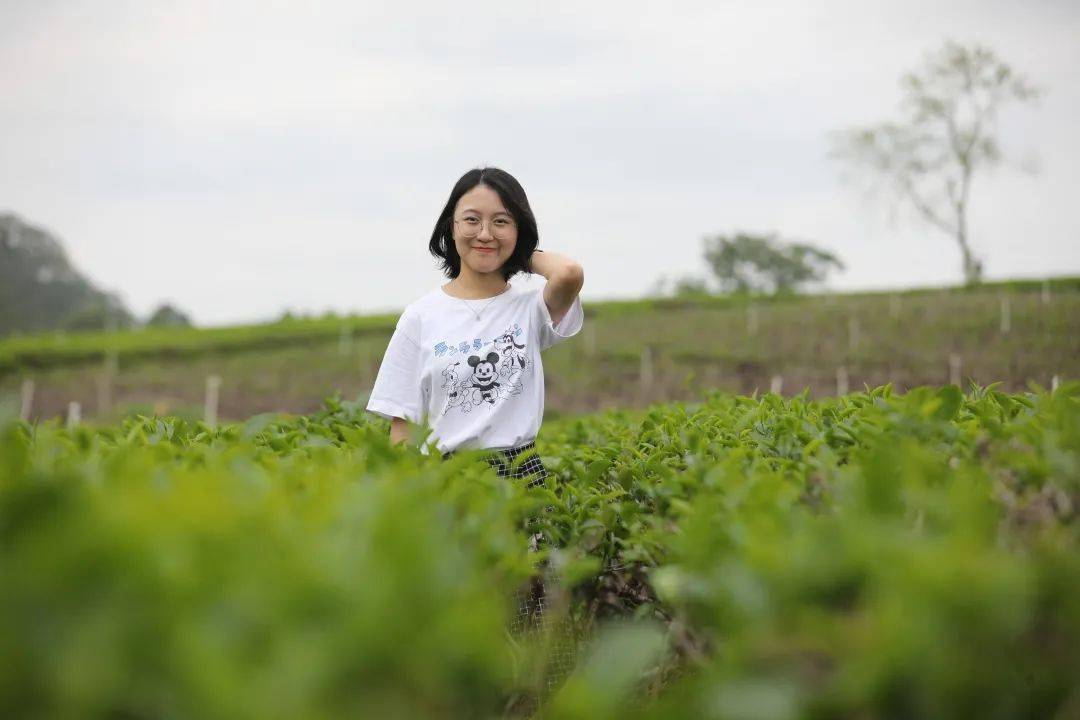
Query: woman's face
{"x":495,"y":243}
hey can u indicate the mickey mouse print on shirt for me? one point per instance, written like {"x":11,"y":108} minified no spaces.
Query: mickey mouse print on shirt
{"x":485,"y":378}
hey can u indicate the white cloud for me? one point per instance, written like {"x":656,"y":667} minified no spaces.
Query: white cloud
{"x":239,"y":158}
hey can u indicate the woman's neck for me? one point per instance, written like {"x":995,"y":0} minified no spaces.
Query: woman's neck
{"x":472,"y":286}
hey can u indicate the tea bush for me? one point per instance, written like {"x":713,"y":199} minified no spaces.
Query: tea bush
{"x":876,"y":555}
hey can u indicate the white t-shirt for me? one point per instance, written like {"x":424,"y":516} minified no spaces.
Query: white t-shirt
{"x":479,"y":383}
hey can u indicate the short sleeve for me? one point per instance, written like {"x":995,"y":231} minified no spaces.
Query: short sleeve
{"x":549,"y":334}
{"x":397,"y":390}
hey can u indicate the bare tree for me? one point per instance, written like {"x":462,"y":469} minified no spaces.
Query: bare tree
{"x":945,"y":134}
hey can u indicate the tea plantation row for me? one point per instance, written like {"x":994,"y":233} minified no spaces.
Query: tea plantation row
{"x":869,"y":556}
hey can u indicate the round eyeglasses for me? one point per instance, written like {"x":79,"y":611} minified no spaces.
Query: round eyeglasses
{"x":501,"y":227}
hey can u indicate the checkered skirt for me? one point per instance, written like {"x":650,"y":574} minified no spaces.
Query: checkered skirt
{"x":532,"y":599}
{"x":521,"y":462}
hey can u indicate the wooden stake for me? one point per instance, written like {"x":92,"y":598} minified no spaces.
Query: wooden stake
{"x":1006,"y":315}
{"x":104,"y":392}
{"x":1046,"y":292}
{"x":954,"y":369}
{"x":365,"y":363}
{"x":105,"y":383}
{"x":27,"y":400}
{"x":210,"y":409}
{"x":1054,"y":383}
{"x":646,"y":368}
{"x":841,"y":381}
{"x":853,"y":333}
{"x":74,"y":414}
{"x":777,"y":384}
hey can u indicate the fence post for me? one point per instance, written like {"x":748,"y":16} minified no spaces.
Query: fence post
{"x":853,"y":332}
{"x":954,"y":369}
{"x":1055,"y":381}
{"x":590,"y":339}
{"x":27,"y":400}
{"x":210,"y":408}
{"x":646,"y":368}
{"x":345,"y":340}
{"x":367,"y":358}
{"x":74,"y":414}
{"x":1006,"y":315}
{"x":105,"y":382}
{"x":842,"y":380}
{"x":777,"y":384}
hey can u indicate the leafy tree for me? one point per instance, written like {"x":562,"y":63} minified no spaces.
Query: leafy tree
{"x":168,"y":316}
{"x":756,"y":263}
{"x":104,"y":312}
{"x":690,"y":286}
{"x":944,"y":136}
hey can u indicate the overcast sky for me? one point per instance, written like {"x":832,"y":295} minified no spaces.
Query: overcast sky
{"x":241,"y":158}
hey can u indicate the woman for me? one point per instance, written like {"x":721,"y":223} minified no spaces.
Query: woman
{"x":464,"y":359}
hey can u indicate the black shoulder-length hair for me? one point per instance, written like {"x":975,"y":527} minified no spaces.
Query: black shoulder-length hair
{"x":513,"y":199}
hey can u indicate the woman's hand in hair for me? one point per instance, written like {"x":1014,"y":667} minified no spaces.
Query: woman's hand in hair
{"x":565,"y":278}
{"x":549,"y":263}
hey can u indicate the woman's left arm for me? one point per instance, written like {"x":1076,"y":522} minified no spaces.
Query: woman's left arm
{"x":565,"y":277}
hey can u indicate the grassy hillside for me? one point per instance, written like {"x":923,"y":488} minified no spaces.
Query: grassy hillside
{"x":630,"y":353}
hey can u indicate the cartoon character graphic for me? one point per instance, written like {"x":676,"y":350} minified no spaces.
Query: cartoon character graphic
{"x":456,"y":394}
{"x":495,"y":375}
{"x":485,"y":377}
{"x":514,"y":361}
